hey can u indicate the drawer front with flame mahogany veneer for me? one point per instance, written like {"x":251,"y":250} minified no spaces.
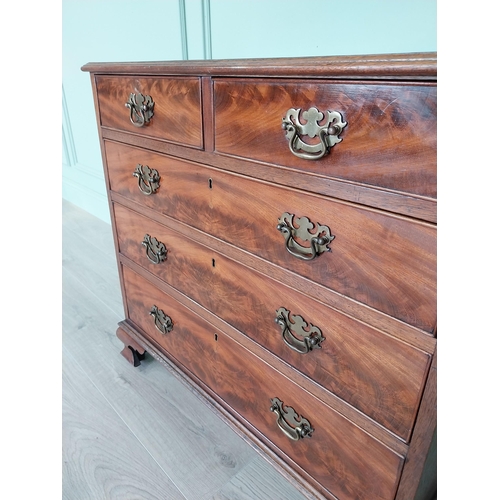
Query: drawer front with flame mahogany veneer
{"x":275,"y":228}
{"x":377,"y":374}
{"x":367,"y":469}
{"x":163,"y":108}
{"x":385,"y":261}
{"x":374,"y":131}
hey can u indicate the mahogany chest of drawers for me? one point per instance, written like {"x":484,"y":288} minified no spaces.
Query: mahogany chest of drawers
{"x":275,"y":229}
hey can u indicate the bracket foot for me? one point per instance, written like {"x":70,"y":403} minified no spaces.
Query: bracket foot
{"x":132,"y":351}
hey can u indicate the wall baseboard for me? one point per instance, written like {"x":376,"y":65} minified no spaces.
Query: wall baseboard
{"x":87,"y":199}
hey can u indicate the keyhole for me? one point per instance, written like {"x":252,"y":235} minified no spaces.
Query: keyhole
{"x":213,"y":262}
{"x":215,"y":337}
{"x":210,"y":183}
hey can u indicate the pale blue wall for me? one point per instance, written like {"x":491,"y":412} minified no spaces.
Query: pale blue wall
{"x":287,"y":28}
{"x":134,"y":30}
{"x":104,"y":30}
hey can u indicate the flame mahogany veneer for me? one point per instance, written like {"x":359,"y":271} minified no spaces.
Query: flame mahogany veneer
{"x":243,"y":227}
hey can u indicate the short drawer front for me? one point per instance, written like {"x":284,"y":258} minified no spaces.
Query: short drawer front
{"x":375,"y":373}
{"x":176,"y":114}
{"x":386,"y":262}
{"x":389,"y":139}
{"x":343,"y":458}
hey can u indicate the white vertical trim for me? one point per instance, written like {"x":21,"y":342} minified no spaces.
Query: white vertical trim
{"x":207,"y":29}
{"x":65,"y":151}
{"x":183,"y":23}
{"x":68,"y":140}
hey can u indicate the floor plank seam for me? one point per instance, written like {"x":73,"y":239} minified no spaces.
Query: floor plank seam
{"x":254,"y":480}
{"x":119,"y":315}
{"x":124,"y":422}
{"x":108,"y":254}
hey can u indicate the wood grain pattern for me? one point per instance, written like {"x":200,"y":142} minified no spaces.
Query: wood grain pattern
{"x":365,"y":469}
{"x":92,"y":233}
{"x":370,"y":393}
{"x":305,"y":486}
{"x":345,"y":460}
{"x":244,"y":487}
{"x":386,"y":262}
{"x":389,"y":140}
{"x":185,"y":343}
{"x":201,"y":455}
{"x":368,"y":425}
{"x":136,"y":436}
{"x":416,"y":66}
{"x":177,"y":109}
{"x":380,"y":376}
{"x":391,"y":201}
{"x":423,"y":451}
{"x":97,"y":462}
{"x":341,"y":303}
{"x":208,"y":118}
{"x":84,"y":265}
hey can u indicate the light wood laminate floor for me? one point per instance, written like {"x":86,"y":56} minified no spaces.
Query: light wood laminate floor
{"x":136,"y":433}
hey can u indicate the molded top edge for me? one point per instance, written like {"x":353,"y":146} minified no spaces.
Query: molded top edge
{"x":418,"y":65}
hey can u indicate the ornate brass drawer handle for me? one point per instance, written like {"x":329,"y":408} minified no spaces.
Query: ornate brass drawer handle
{"x":163,"y":323}
{"x":295,"y":324}
{"x":141,"y":109}
{"x":328,"y":133}
{"x":287,"y":418}
{"x":319,"y":240}
{"x":156,"y":251}
{"x":147,"y":178}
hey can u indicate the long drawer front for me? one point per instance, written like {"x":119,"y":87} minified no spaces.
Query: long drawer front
{"x":377,"y":134}
{"x":383,"y":261}
{"x":307,"y":433}
{"x":381,"y":376}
